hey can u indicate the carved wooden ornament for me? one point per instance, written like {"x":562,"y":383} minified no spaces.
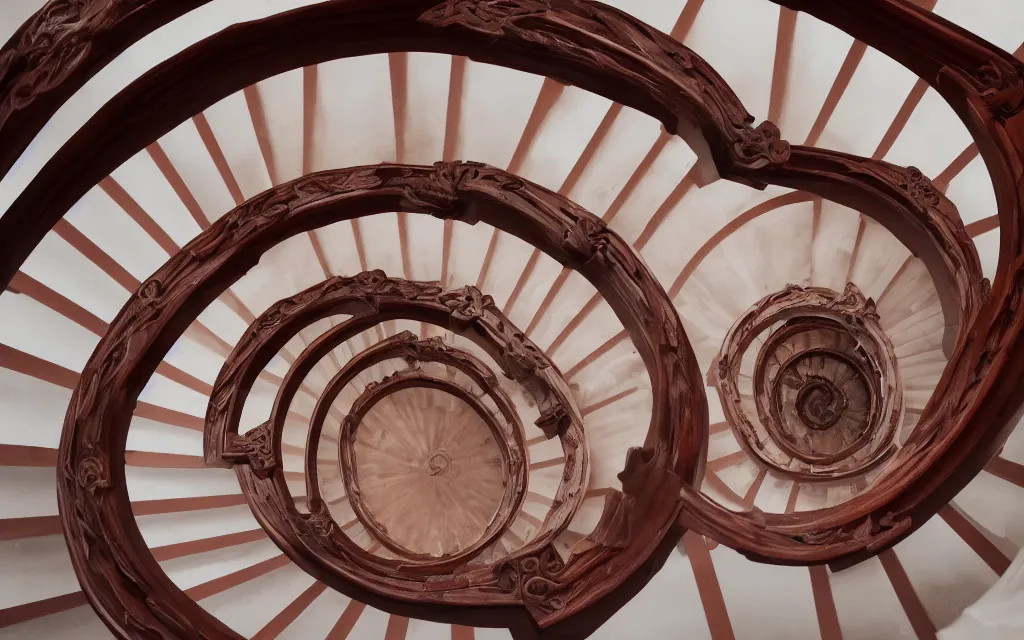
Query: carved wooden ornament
{"x":532,"y":590}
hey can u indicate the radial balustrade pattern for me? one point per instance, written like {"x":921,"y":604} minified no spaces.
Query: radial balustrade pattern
{"x":511,"y":319}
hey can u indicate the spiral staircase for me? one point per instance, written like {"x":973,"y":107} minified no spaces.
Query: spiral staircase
{"x":643,"y":370}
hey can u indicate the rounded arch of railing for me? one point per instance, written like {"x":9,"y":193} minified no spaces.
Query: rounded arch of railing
{"x":599,"y":49}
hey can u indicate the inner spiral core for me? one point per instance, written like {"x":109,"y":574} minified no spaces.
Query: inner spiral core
{"x":818,"y":399}
{"x":429,"y":469}
{"x":820,"y":403}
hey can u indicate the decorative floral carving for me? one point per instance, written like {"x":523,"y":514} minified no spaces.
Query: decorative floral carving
{"x":486,"y":16}
{"x":466,"y":304}
{"x":52,"y":45}
{"x":319,"y":522}
{"x":586,"y":238}
{"x":920,"y":188}
{"x":258,"y":447}
{"x":93,"y":474}
{"x":1001,"y":87}
{"x":760,"y":147}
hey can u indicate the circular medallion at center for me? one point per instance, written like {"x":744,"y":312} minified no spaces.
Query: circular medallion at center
{"x":430,"y":471}
{"x":820,"y":403}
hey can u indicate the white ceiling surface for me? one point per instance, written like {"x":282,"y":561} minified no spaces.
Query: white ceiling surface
{"x":354,"y":125}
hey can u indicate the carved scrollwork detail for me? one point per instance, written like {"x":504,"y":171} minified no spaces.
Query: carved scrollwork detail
{"x":825,"y":384}
{"x":1001,"y":86}
{"x":257,"y":446}
{"x":466,"y":305}
{"x":761,"y":146}
{"x":53,"y":45}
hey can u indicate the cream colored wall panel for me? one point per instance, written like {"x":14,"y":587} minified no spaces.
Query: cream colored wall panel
{"x":972,"y":193}
{"x":571,"y":299}
{"x":740,"y":476}
{"x":468,"y":249}
{"x":35,"y":569}
{"x":998,"y":21}
{"x":600,"y":325}
{"x":284,"y":270}
{"x":192,"y":570}
{"x":428,"y":76}
{"x":252,"y":604}
{"x":195,"y":358}
{"x":611,"y":432}
{"x":354,"y":122}
{"x":546,"y":481}
{"x":508,"y":263}
{"x":424,"y":630}
{"x":774,"y":494}
{"x":80,"y":623}
{"x":535,"y":290}
{"x":722,"y":444}
{"x":33,"y":410}
{"x":867,"y":605}
{"x":28,"y":326}
{"x":987,"y":245}
{"x":150,"y":435}
{"x":339,"y":248}
{"x":425,"y":237}
{"x":482,"y":633}
{"x":59,"y":266}
{"x":705,"y":318}
{"x":911,"y":292}
{"x":373,"y":623}
{"x":546,"y":450}
{"x":926,"y":321}
{"x":27,"y":491}
{"x":496,"y":104}
{"x":141,"y":178}
{"x":1013,"y":448}
{"x":148,"y":483}
{"x":164,"y":392}
{"x":945,"y":588}
{"x":664,"y":175}
{"x":110,"y":228}
{"x":619,"y":370}
{"x":833,"y":245}
{"x":383,"y":249}
{"x":232,"y":126}
{"x":871,"y":101}
{"x":819,"y":50}
{"x":563,"y":136}
{"x":811,"y":497}
{"x":628,"y":140}
{"x":224,"y":322}
{"x":667,"y":607}
{"x":318,"y":619}
{"x":879,"y":258}
{"x":779,"y":247}
{"x":925,"y":364}
{"x":695,"y":220}
{"x":186,"y":151}
{"x":933,"y":137}
{"x":282,"y":97}
{"x":14,"y":13}
{"x":986,"y":500}
{"x":715,"y":413}
{"x":750,"y":589}
{"x":744,"y":58}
